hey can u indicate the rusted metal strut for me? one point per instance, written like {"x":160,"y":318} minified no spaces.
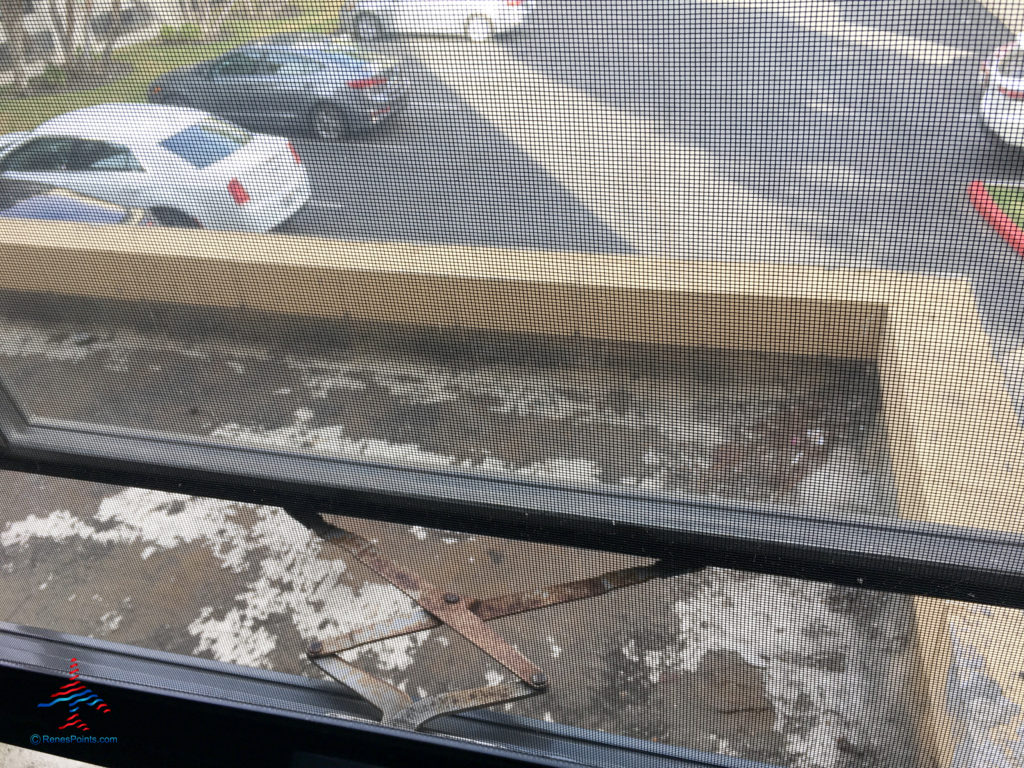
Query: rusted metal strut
{"x":438,"y":607}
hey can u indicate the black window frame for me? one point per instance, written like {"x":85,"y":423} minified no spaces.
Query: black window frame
{"x":217,"y":714}
{"x":882,"y":553}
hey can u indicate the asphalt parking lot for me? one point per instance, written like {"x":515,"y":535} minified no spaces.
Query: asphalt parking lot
{"x":855,"y":125}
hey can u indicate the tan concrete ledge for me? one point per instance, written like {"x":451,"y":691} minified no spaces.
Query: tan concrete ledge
{"x":957,"y":447}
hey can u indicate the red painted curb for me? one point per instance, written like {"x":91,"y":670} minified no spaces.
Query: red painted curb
{"x":994,"y":215}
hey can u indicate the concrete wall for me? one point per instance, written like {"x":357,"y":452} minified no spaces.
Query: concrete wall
{"x":957,"y":447}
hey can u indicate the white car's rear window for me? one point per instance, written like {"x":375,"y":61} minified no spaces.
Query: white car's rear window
{"x":207,"y":142}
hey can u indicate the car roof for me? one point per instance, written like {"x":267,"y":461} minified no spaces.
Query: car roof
{"x":127,"y":123}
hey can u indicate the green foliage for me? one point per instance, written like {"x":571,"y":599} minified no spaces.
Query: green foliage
{"x":148,"y":60}
{"x":180,"y":34}
{"x":1010,"y":200}
{"x":53,"y":75}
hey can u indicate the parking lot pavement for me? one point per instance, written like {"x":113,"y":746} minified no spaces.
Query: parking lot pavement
{"x":662,"y":194}
{"x":440,"y":173}
{"x":833,"y":133}
{"x":836,"y":133}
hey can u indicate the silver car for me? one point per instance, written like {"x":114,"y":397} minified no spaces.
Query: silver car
{"x":477,"y":20}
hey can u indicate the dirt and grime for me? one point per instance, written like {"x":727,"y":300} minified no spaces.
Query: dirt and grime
{"x":788,"y":672}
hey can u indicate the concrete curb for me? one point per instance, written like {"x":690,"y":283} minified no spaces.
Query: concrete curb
{"x":993,"y":214}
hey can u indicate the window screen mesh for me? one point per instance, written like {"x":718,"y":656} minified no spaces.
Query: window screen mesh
{"x":757,"y":254}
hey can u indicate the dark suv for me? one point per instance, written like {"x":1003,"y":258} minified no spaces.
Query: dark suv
{"x":328,"y":86}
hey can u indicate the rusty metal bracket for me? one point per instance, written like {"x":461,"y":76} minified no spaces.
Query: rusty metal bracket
{"x":438,"y":607}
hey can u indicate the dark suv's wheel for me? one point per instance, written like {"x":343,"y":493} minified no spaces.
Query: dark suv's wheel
{"x":367,"y":28}
{"x":328,"y":123}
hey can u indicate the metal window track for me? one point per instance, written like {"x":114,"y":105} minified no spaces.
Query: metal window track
{"x":176,"y":709}
{"x":889,"y":554}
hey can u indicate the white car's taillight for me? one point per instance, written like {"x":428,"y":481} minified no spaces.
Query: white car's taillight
{"x":238,"y":192}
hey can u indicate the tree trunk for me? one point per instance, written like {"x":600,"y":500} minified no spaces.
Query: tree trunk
{"x":89,"y":44}
{"x":215,"y":25}
{"x":113,"y":35}
{"x":64,"y":20}
{"x":12,"y":18}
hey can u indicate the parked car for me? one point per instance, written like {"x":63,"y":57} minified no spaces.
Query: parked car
{"x":1002,"y":103}
{"x":8,"y":139}
{"x":29,"y":200}
{"x":328,"y":86}
{"x":477,"y":20}
{"x":188,"y":167}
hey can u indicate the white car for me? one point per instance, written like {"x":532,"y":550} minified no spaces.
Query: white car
{"x":1002,"y":105}
{"x":186,"y":166}
{"x":478,"y":20}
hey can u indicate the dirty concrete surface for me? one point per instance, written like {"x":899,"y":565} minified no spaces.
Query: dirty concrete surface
{"x":13,"y":757}
{"x":788,"y":672}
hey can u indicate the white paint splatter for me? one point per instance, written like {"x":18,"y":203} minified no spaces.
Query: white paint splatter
{"x":20,"y":338}
{"x":818,"y":662}
{"x":299,"y":436}
{"x":111,"y":620}
{"x":419,"y":532}
{"x":232,"y":637}
{"x":494,"y":677}
{"x":147,"y":552}
{"x":556,"y":650}
{"x":57,"y":526}
{"x":285,"y":575}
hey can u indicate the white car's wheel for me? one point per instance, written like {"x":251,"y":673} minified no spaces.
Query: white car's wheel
{"x":479,"y":29}
{"x":173,"y":217}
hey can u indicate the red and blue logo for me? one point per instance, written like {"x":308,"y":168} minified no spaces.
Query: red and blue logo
{"x":75,"y":695}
